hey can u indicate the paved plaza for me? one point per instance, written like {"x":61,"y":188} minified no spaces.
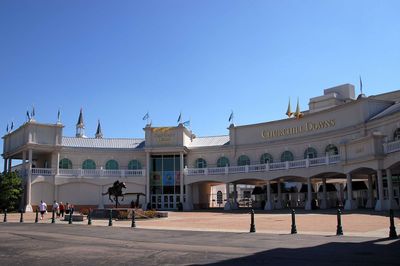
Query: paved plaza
{"x":192,"y":238}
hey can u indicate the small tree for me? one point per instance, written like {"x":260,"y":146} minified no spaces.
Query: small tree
{"x":10,"y":190}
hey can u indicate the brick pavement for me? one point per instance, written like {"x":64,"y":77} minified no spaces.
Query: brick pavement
{"x":356,"y":223}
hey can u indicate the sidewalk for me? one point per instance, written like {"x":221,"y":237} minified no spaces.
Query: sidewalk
{"x":356,"y":223}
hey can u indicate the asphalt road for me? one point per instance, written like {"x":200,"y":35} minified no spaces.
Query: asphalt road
{"x":63,"y":244}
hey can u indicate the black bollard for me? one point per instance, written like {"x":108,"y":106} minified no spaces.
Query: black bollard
{"x":339,"y":229}
{"x":89,"y":218}
{"x":70,"y":217}
{"x":252,"y":225}
{"x":21,"y":219}
{"x":133,"y":219}
{"x":294,"y":229}
{"x":37,"y":216}
{"x":53,"y":220}
{"x":392,"y":232}
{"x":110,"y":219}
{"x":5,"y":215}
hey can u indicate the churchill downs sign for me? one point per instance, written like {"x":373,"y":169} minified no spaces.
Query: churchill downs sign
{"x":306,"y":127}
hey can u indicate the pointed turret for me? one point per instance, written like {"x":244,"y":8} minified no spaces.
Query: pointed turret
{"x":99,"y":134}
{"x":289,"y":112}
{"x":298,"y":114}
{"x":80,"y":126}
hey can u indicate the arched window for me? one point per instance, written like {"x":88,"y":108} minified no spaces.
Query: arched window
{"x":310,"y":153}
{"x":65,"y":164}
{"x":201,"y":163}
{"x":112,"y":165}
{"x":222,"y":162}
{"x":266,"y":158}
{"x":287,"y":156}
{"x":88,"y":164}
{"x":331,"y":150}
{"x":396,"y":134}
{"x":243,"y":160}
{"x":134,"y":165}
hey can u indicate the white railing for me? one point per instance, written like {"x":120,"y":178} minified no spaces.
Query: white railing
{"x":392,"y":146}
{"x":326,"y":160}
{"x":42,"y":171}
{"x":88,"y":172}
{"x":298,"y":164}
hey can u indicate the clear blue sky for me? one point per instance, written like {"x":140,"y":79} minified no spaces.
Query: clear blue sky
{"x":120,"y":59}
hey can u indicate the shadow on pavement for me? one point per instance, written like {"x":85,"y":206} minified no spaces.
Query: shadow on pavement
{"x":377,"y":252}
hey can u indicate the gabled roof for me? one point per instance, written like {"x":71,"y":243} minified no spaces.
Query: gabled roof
{"x":108,"y":143}
{"x":209,"y":141}
{"x":388,"y":111}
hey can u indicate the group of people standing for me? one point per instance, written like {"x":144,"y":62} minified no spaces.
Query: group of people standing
{"x":58,"y":208}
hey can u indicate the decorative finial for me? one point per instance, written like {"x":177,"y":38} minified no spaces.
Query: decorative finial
{"x":80,"y":126}
{"x":289,"y":112}
{"x":33,"y":113}
{"x":99,"y":133}
{"x":59,"y":116}
{"x":298,"y":114}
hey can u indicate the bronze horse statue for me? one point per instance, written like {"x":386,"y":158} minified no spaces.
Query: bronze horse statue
{"x":116,"y":192}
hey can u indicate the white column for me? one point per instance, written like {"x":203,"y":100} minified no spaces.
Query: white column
{"x":9,"y":165}
{"x":379,"y":206}
{"x":268,"y":203}
{"x":228,"y":203}
{"x":279,"y":203}
{"x":28,"y":207}
{"x":58,"y":164}
{"x":324,"y":204}
{"x":24,"y":163}
{"x":370,"y":201}
{"x":147,"y":181}
{"x":392,"y":202}
{"x":188,"y":205}
{"x":101,"y":202}
{"x":309,"y":195}
{"x":181,"y":176}
{"x":5,"y":165}
{"x":350,"y":203}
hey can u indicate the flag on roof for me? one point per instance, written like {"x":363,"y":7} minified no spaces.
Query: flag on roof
{"x":231,"y":117}
{"x":33,"y":111}
{"x":146,"y":116}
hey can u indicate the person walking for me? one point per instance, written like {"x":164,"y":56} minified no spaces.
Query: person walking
{"x":42,"y":209}
{"x":56,"y":208}
{"x":62,"y":209}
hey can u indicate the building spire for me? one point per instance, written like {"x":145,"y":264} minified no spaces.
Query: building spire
{"x":99,"y":133}
{"x":80,"y":126}
{"x":289,"y":112}
{"x":298,"y":114}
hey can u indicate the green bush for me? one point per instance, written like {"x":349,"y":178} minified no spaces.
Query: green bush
{"x":10,"y":191}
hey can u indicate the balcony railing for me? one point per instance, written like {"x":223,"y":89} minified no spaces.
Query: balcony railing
{"x":88,"y":172}
{"x":326,"y":160}
{"x":392,"y":146}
